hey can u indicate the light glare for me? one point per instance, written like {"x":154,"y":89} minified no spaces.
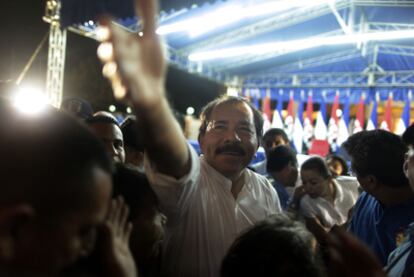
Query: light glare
{"x":30,"y":101}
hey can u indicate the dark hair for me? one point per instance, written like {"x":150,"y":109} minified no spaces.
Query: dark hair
{"x":317,"y":164}
{"x":274,"y":132}
{"x":339,"y":159}
{"x":280,"y":157}
{"x":134,"y":187}
{"x":101,"y":118}
{"x":408,"y":135}
{"x":378,"y":153}
{"x":277,"y":246}
{"x":48,"y":160}
{"x":225,"y":99}
{"x":132,"y":137}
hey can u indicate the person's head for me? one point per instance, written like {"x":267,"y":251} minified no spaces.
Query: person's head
{"x":133,"y":143}
{"x":408,"y":139}
{"x":55,"y":188}
{"x":229,"y":134}
{"x":274,"y":137}
{"x":337,"y":165}
{"x":147,"y":233}
{"x":277,"y":246}
{"x":377,"y":159}
{"x":77,"y":107}
{"x":109,"y":131}
{"x":316,"y":176}
{"x":282,"y":165}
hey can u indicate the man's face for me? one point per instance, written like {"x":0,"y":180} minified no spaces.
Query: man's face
{"x":272,"y":142}
{"x":111,"y":136}
{"x":409,"y":165}
{"x":230,"y":140}
{"x":287,"y":176}
{"x":52,"y":244}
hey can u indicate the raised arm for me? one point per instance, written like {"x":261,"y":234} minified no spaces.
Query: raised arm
{"x":136,"y":67}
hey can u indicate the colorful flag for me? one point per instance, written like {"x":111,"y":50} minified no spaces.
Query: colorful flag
{"x":359,"y":120}
{"x":321,"y":131}
{"x":289,"y":120}
{"x":404,"y":121}
{"x":372,"y":123}
{"x":277,"y":121}
{"x":333,"y":126}
{"x":298,"y":127}
{"x":267,"y":111}
{"x":386,"y":124}
{"x":343,"y":132}
{"x":308,"y":122}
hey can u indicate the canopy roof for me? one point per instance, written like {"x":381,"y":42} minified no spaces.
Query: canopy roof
{"x":383,"y":65}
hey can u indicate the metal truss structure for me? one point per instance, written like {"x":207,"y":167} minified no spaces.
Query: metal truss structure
{"x":344,"y":11}
{"x":56,"y":55}
{"x":390,"y":79}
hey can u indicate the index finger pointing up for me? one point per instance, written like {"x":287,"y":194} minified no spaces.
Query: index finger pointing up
{"x":147,"y":10}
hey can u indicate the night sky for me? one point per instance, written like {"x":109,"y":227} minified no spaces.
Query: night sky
{"x":22,"y":29}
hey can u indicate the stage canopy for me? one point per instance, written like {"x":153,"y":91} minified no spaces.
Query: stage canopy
{"x":265,"y":47}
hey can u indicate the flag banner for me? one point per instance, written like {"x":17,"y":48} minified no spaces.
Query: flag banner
{"x":298,"y":128}
{"x":321,"y":131}
{"x":404,"y":121}
{"x":308,"y":123}
{"x":333,"y":126}
{"x":386,"y":123}
{"x":277,"y":121}
{"x":359,"y":120}
{"x":343,"y":132}
{"x":267,"y":111}
{"x":372,"y":123}
{"x":289,"y":120}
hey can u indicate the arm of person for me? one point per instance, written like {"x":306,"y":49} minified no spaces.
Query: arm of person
{"x":316,"y":228}
{"x":138,"y":77}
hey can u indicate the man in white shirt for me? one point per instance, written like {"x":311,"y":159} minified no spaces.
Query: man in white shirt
{"x":208,"y":200}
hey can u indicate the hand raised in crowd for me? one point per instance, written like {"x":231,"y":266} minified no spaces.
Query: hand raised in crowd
{"x":115,"y":253}
{"x":350,"y":258}
{"x":134,"y":63}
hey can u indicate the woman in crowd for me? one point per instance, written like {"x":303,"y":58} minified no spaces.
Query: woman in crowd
{"x":328,"y":200}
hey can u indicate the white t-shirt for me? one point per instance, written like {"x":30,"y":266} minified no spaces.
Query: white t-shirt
{"x":347,"y":192}
{"x":203,"y":216}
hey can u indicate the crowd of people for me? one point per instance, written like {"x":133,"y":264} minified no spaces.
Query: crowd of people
{"x":87,"y":196}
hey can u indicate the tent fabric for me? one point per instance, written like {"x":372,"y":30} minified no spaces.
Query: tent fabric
{"x":80,"y":11}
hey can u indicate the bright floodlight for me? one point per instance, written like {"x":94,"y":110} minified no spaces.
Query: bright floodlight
{"x":128,"y":110}
{"x":190,"y":110}
{"x":30,"y":101}
{"x":112,"y":108}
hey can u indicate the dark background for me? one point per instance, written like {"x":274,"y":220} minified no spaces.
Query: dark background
{"x":22,"y":30}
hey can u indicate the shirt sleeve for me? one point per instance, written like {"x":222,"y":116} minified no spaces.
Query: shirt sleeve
{"x":306,"y":208}
{"x":174,"y":194}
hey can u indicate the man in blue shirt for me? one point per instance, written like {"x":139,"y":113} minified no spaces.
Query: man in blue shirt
{"x":386,"y":207}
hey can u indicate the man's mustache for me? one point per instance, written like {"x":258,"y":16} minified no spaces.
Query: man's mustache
{"x":231,"y":148}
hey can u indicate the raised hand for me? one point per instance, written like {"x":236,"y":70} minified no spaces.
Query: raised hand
{"x":115,"y":253}
{"x":135,"y":64}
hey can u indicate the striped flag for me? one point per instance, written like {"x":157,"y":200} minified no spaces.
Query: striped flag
{"x":321,"y":131}
{"x":267,"y":111}
{"x":386,"y":124}
{"x":343,"y":132}
{"x":308,"y":122}
{"x":372,"y":123}
{"x":404,"y":121}
{"x":298,"y":127}
{"x":359,"y":120}
{"x":277,"y":121}
{"x":289,"y":120}
{"x":333,"y":126}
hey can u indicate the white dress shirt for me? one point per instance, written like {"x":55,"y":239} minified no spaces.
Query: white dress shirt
{"x":203,"y":216}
